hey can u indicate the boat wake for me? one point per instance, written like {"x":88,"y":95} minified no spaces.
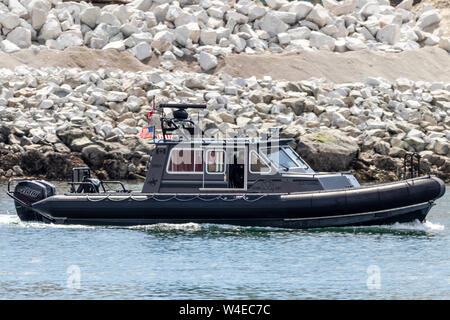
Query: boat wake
{"x":163,"y":227}
{"x":415,"y":227}
{"x":418,"y":226}
{"x":7,"y":218}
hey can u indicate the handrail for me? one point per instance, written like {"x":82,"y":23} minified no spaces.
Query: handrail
{"x":14,"y":180}
{"x":113,"y":182}
{"x":411,"y":157}
{"x":102,"y":183}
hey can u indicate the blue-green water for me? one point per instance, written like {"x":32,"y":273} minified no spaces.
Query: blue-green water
{"x":193,"y":261}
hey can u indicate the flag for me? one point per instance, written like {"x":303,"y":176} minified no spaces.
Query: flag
{"x":147,"y":133}
{"x":152,"y":110}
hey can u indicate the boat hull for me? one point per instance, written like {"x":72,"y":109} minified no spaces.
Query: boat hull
{"x":403,"y":201}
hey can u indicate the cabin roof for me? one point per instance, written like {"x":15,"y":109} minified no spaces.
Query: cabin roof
{"x":223,"y":141}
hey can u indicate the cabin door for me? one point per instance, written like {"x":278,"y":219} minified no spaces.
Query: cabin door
{"x":237,"y":168}
{"x":225,"y":168}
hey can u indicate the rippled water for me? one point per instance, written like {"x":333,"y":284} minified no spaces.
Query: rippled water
{"x":194,"y":261}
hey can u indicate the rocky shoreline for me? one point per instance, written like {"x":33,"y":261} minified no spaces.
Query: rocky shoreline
{"x":205,"y":30}
{"x":55,"y":118}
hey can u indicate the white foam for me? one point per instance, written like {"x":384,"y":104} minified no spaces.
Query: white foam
{"x":169,"y":227}
{"x":9,"y":219}
{"x":418,"y":226}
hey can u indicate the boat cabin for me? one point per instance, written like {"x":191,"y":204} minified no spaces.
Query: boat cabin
{"x":232,"y":165}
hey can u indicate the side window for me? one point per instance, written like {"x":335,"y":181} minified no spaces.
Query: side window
{"x":257,"y":164}
{"x":185,"y":160}
{"x":215,"y":161}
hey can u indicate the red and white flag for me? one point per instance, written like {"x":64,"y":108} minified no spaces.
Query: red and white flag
{"x":152,"y":110}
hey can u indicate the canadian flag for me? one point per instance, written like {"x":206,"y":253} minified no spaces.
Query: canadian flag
{"x":152,"y":110}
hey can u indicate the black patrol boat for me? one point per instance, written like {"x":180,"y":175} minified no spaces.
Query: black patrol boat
{"x":235,"y":181}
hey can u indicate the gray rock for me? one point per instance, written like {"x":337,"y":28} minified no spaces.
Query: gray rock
{"x":272,"y":24}
{"x":321,"y":41}
{"x":329,"y":150}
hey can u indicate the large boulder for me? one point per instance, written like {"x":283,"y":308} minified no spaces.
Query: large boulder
{"x":50,"y":30}
{"x":20,"y":36}
{"x":38,"y":11}
{"x":322,"y":41}
{"x":94,"y":155}
{"x":142,"y":51}
{"x":301,"y":9}
{"x":9,"y":20}
{"x":319,"y":15}
{"x":33,"y":162}
{"x":389,"y":34}
{"x":272,"y":24}
{"x":429,"y":18}
{"x":57,"y":166}
{"x":89,"y":16}
{"x":328,"y":150}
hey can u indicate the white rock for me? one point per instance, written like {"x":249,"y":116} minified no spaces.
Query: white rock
{"x":116,"y":96}
{"x":46,"y":104}
{"x":185,"y":18}
{"x":163,"y":40}
{"x":432,"y":40}
{"x":274,"y":4}
{"x":142,"y":5}
{"x":340,"y":8}
{"x":301,"y":9}
{"x":389,"y":34}
{"x":340,"y":45}
{"x":272,"y":24}
{"x":72,"y":38}
{"x":299,"y":33}
{"x":256,"y":12}
{"x":444,"y":43}
{"x":354,"y":44}
{"x":128,"y":29}
{"x":238,"y":42}
{"x":50,"y":30}
{"x":322,"y":41}
{"x":17,"y":8}
{"x":118,"y":45}
{"x":9,"y":20}
{"x":208,"y":37}
{"x":168,"y":55}
{"x":160,"y":11}
{"x":284,"y":38}
{"x":287,"y":17}
{"x":405,"y":4}
{"x":109,"y":19}
{"x":429,"y":18}
{"x":207,"y":61}
{"x":369,"y":9}
{"x":20,"y":36}
{"x":89,"y":16}
{"x":318,"y":15}
{"x":8,"y":47}
{"x":142,"y":51}
{"x":38,"y":18}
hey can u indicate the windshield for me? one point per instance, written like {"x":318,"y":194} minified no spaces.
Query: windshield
{"x":295,"y":157}
{"x":285,"y":157}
